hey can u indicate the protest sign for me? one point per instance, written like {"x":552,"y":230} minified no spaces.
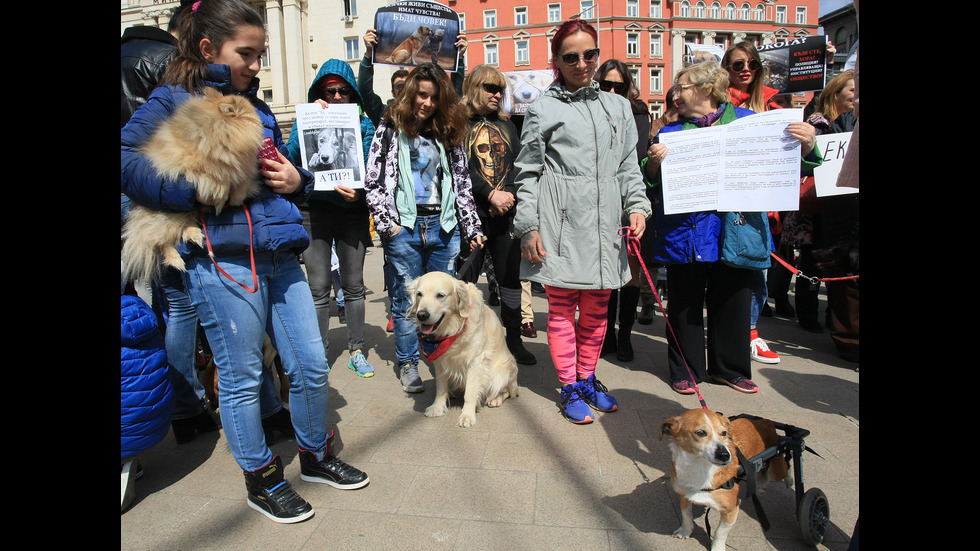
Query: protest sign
{"x":414,"y":32}
{"x":523,"y":87}
{"x":330,"y":144}
{"x":797,"y":64}
{"x":833,"y":147}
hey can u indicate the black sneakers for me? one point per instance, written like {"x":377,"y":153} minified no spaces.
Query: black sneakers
{"x":271,"y":495}
{"x":330,"y":471}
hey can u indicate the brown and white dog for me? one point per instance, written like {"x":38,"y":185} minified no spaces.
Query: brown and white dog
{"x":463,"y":338}
{"x":405,"y":52}
{"x":702,"y":445}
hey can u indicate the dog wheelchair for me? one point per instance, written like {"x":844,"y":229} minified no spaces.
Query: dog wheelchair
{"x":812,"y":507}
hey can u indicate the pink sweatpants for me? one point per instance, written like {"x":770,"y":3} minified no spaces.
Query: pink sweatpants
{"x":575,"y":347}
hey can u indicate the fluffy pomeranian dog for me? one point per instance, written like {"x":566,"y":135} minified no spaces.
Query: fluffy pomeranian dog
{"x":213,"y":142}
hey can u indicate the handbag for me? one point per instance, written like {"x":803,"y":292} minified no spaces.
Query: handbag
{"x":745,"y":241}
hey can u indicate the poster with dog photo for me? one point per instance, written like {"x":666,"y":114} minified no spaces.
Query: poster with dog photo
{"x":414,"y":32}
{"x":523,"y":87}
{"x":331,"y":144}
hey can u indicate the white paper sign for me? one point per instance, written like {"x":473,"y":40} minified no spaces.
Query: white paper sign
{"x":331,"y":144}
{"x":750,"y":164}
{"x":833,"y":147}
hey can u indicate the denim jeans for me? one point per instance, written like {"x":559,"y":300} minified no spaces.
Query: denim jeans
{"x":349,"y":231}
{"x":413,"y":252}
{"x":760,"y":293}
{"x":235,"y":322}
{"x":180,"y":334}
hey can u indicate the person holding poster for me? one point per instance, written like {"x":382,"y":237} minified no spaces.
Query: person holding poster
{"x":337,"y":218}
{"x":746,"y":88}
{"x":689,"y":244}
{"x":577,"y":180}
{"x":420,"y":194}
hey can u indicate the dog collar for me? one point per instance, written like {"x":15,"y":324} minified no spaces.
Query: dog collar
{"x":432,"y":347}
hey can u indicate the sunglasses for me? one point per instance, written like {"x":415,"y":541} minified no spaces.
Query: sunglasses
{"x":607,"y":85}
{"x":740,"y":64}
{"x":590,"y":56}
{"x":343,"y":91}
{"x":492,"y":88}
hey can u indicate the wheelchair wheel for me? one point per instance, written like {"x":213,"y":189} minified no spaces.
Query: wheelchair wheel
{"x":814,"y":516}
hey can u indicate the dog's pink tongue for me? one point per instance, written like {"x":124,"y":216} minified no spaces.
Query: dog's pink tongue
{"x":427,"y":329}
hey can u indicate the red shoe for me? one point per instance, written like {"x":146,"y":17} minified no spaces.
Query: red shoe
{"x":528,"y":330}
{"x":391,"y":325}
{"x":760,"y":350}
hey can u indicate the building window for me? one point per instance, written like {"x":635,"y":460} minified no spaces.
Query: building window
{"x":264,"y":58}
{"x":685,"y":9}
{"x":587,"y":9}
{"x":730,"y":11}
{"x":462,"y":21}
{"x":715,"y":10}
{"x":655,"y":10}
{"x":656,"y":45}
{"x":655,"y":81}
{"x":743,"y":13}
{"x":780,"y":14}
{"x":489,"y":19}
{"x":801,"y":15}
{"x":522,"y":52}
{"x":350,"y":7}
{"x":554,"y":13}
{"x":632,"y":8}
{"x":490,"y":54}
{"x":760,"y":12}
{"x":699,"y":10}
{"x":520,"y":15}
{"x":351,"y":47}
{"x":267,"y":96}
{"x":632,"y":45}
{"x":635,"y":75}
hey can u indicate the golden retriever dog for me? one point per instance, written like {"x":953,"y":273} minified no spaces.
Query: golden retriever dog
{"x":470,"y":353}
{"x":405,"y":52}
{"x":213,"y":142}
{"x":702,"y":446}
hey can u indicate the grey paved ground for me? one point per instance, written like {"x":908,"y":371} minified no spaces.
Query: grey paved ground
{"x":522,"y":477}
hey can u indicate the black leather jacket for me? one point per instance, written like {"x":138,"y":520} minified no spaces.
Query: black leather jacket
{"x":146,"y":52}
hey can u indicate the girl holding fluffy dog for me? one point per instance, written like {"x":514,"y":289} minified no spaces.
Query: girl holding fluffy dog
{"x":420,"y":194}
{"x":247,"y":281}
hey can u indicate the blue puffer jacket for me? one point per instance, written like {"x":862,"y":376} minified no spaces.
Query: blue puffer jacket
{"x":293,"y":151}
{"x":147,"y":394}
{"x":276,"y":221}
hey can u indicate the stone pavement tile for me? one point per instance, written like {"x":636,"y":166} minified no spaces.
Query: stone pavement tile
{"x":356,"y":530}
{"x":452,"y":447}
{"x":390,"y":484}
{"x":543,"y":452}
{"x":496,"y":536}
{"x":472,"y":494}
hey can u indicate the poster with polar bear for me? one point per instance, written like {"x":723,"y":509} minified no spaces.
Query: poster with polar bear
{"x":331,"y":144}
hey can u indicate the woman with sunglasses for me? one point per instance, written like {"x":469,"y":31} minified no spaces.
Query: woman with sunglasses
{"x":492,"y":143}
{"x":688,"y":243}
{"x":340,"y":219}
{"x":420,"y":193}
{"x":577,"y":180}
{"x":613,"y":76}
{"x":746,"y":88}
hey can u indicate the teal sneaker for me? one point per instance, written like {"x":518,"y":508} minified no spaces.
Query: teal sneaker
{"x":596,"y":395}
{"x":573,"y":407}
{"x":360,"y":365}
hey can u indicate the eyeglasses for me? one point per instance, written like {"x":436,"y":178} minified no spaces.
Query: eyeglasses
{"x":590,"y":56}
{"x":740,"y":64}
{"x":681,"y":87}
{"x":492,"y":88}
{"x":607,"y":85}
{"x":331,"y":92}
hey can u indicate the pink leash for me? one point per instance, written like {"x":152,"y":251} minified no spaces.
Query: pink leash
{"x":633,"y":248}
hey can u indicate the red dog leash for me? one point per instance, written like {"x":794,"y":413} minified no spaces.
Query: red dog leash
{"x":633,"y":248}
{"x":251,"y":251}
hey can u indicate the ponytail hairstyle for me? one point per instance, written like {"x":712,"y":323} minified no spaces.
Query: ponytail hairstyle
{"x":216,"y":20}
{"x":447,"y":123}
{"x":567,"y":29}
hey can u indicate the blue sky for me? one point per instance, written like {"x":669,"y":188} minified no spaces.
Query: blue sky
{"x":827,"y":6}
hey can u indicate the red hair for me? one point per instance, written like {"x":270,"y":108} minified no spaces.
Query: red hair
{"x":567,"y":29}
